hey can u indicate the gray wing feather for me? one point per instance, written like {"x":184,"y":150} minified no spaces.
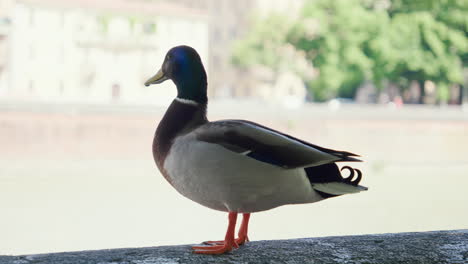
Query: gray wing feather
{"x":247,"y":137}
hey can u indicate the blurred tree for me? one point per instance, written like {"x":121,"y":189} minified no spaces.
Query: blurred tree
{"x":263,"y":43}
{"x":337,"y":36}
{"x":267,"y":45}
{"x":351,"y":41}
{"x":428,"y":41}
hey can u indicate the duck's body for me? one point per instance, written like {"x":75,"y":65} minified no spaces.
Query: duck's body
{"x":224,"y":180}
{"x":237,"y":166}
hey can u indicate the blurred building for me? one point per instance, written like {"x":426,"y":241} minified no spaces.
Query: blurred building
{"x":91,"y":51}
{"x":5,"y":26}
{"x":102,"y":51}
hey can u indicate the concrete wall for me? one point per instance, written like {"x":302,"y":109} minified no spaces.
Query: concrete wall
{"x":443,"y":247}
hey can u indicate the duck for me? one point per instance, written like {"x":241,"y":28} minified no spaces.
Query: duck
{"x":237,"y":166}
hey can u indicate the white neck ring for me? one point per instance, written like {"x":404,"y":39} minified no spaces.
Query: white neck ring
{"x":186,"y":101}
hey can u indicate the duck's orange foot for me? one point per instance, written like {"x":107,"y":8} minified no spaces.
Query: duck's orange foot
{"x":242,"y":240}
{"x":239,"y":241}
{"x":215,"y":247}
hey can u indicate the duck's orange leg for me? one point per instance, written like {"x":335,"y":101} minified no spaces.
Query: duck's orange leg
{"x":224,"y":246}
{"x":242,"y":235}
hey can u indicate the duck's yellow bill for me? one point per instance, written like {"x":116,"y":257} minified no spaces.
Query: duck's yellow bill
{"x":159,"y":77}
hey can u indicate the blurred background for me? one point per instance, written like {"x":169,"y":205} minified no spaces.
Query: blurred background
{"x":384,"y":79}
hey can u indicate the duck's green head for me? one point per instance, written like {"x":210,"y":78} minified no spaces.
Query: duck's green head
{"x":184,"y":67}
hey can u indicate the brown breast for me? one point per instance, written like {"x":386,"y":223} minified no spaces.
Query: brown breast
{"x":179,"y":119}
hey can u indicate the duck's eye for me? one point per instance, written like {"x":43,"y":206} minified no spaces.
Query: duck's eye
{"x":169,"y":56}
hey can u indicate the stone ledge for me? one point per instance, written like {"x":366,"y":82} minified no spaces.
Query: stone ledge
{"x":436,"y":247}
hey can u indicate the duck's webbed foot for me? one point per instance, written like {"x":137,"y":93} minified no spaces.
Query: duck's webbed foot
{"x":215,"y":247}
{"x":220,"y":247}
{"x":239,"y":241}
{"x":226,"y":245}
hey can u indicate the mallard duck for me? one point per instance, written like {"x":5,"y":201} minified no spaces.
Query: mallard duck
{"x":237,"y":166}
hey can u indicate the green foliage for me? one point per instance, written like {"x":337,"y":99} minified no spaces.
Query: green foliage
{"x":103,"y":21}
{"x":429,"y":42}
{"x":340,"y":45}
{"x":351,"y":41}
{"x":263,"y":44}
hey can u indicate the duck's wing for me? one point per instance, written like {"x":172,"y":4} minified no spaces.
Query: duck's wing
{"x":267,"y":145}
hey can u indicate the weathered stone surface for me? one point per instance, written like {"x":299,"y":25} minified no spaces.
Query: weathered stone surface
{"x":438,"y":247}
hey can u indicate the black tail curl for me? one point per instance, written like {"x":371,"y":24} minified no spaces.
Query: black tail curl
{"x":331,"y":173}
{"x":349,"y":179}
